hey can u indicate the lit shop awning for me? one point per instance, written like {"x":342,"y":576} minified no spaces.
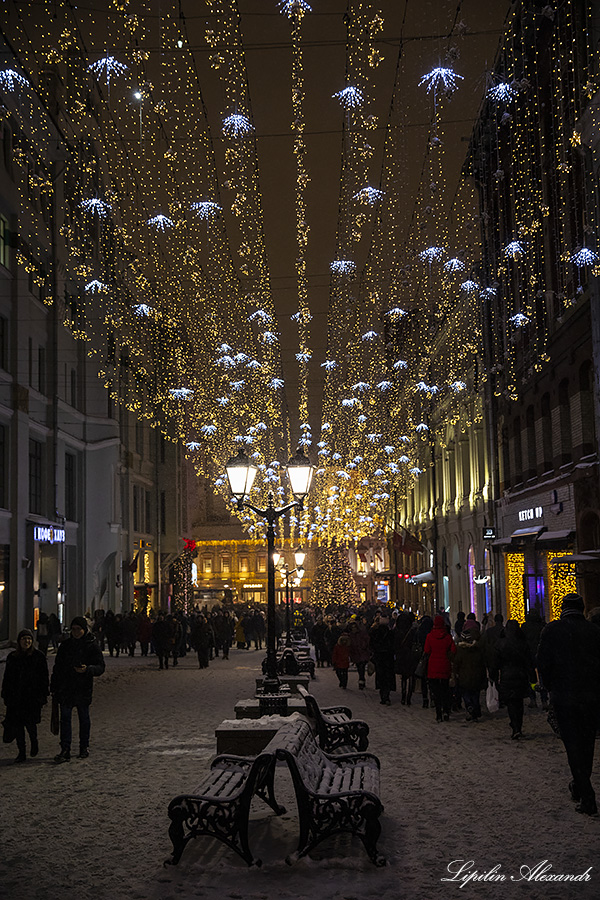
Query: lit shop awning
{"x":555,"y":537}
{"x":524,"y":534}
{"x":572,"y":558}
{"x":423,"y":578}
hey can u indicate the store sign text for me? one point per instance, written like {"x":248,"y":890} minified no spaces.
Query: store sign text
{"x":47,"y":534}
{"x":526,"y":515}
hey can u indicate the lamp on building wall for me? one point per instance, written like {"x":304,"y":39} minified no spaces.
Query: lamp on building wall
{"x":241,"y":473}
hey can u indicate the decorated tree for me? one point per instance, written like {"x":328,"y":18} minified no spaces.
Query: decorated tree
{"x":333,"y":581}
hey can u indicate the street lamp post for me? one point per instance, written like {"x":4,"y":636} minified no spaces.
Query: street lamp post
{"x":241,"y":474}
{"x":287,"y":574}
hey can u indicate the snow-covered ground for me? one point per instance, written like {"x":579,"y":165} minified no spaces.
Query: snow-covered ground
{"x":96,"y":829}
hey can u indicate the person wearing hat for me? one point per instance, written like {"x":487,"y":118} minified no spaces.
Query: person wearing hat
{"x":568,"y":661}
{"x":78,"y":661}
{"x":25,"y":691}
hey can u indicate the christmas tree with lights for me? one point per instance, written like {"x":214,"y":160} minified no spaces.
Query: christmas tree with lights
{"x":333,"y":581}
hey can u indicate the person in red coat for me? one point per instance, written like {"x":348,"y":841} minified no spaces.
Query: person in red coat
{"x":439,"y":649}
{"x":340,"y":658}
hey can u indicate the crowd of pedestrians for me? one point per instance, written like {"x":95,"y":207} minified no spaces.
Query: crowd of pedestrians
{"x":453,"y":665}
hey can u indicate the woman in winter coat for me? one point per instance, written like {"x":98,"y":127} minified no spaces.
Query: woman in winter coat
{"x":79,"y":660}
{"x":340,"y":658}
{"x":516,"y":665}
{"x":470,"y":672}
{"x":25,"y":691}
{"x":200,"y":638}
{"x":439,"y":649}
{"x":360,"y":649}
{"x":404,"y":653}
{"x":382,"y":654}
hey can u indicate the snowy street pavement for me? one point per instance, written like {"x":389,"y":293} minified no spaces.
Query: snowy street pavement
{"x":96,"y":829}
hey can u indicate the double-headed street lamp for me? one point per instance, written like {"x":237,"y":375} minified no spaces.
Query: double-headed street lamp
{"x":241,"y":473}
{"x":299,"y":556}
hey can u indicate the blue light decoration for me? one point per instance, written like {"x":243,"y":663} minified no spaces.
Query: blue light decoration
{"x":432,"y":254}
{"x":454,"y":265}
{"x":240,"y":358}
{"x":374,"y":437}
{"x":237,"y":125}
{"x":369,"y":196}
{"x":400,"y":364}
{"x":193,"y":445}
{"x":403,"y":459}
{"x":11,"y":81}
{"x":416,"y":471}
{"x":142,"y":309}
{"x":325,"y":426}
{"x":384,"y":386}
{"x":237,"y":385}
{"x":95,"y":287}
{"x":514,"y":250}
{"x":350,"y":401}
{"x":260,"y":426}
{"x":206,"y":209}
{"x":388,"y":449}
{"x":253,"y":364}
{"x":457,"y":386}
{"x":369,"y":336}
{"x":96,"y":206}
{"x":304,"y":356}
{"x":225,"y":361}
{"x":329,"y":364}
{"x":350,"y":97}
{"x":269,"y":337}
{"x":182,"y":393}
{"x":584,"y":257}
{"x":337,"y":456}
{"x":342,"y":266}
{"x":422,"y":427}
{"x":260,"y":315}
{"x":323,"y":452}
{"x":421,"y":386}
{"x":291,"y":8}
{"x":519,"y":319}
{"x":395,"y":313}
{"x":160,"y":222}
{"x":343,"y":475}
{"x":361,"y":386}
{"x":469,"y":286}
{"x":222,"y":401}
{"x":208,"y":429}
{"x":487,"y":293}
{"x":441,"y":78}
{"x":107,"y":66}
{"x":224,"y":348}
{"x":276,"y":383}
{"x":503,"y":92}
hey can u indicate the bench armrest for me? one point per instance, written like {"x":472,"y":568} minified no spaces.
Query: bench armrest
{"x":354,"y":758}
{"x":328,"y":710}
{"x":228,"y":759}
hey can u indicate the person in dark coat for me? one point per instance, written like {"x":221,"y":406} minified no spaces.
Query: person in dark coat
{"x":25,"y":691}
{"x":568,"y":661}
{"x":43,"y":633}
{"x":489,"y":642}
{"x":516,"y":670}
{"x":470,"y":671}
{"x":320,"y":637}
{"x":439,"y":649}
{"x":405,"y":657}
{"x":162,"y":639}
{"x":424,"y":626}
{"x":200,"y":637}
{"x":532,"y":628}
{"x":382,"y":653}
{"x":79,"y":660}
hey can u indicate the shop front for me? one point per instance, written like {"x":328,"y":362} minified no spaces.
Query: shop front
{"x":46,"y":563}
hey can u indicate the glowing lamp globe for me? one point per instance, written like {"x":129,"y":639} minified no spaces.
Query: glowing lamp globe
{"x":300,"y":472}
{"x":241,"y":473}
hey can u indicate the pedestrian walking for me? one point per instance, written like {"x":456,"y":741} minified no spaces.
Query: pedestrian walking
{"x":404,"y":654}
{"x":78,"y":661}
{"x":568,"y":660}
{"x":382,"y":654}
{"x":360,"y":649}
{"x":470,"y":672}
{"x":516,"y":671}
{"x":439,"y":650}
{"x":25,"y":691}
{"x":340,"y":658}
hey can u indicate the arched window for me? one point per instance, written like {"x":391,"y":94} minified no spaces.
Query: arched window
{"x":531,"y":444}
{"x":547,"y":451}
{"x":586,"y":401}
{"x":517,"y":449}
{"x":564,"y":402}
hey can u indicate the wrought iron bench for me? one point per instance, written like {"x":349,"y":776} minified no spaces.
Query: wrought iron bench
{"x":337,"y":731}
{"x":220,"y":805}
{"x":333,"y":795}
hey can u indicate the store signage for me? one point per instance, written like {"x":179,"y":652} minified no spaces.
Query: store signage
{"x":251,"y":586}
{"x":489,"y":533}
{"x":526,"y":515}
{"x":48,"y":534}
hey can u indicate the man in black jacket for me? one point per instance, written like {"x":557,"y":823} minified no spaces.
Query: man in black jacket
{"x":568,"y":661}
{"x":78,"y":661}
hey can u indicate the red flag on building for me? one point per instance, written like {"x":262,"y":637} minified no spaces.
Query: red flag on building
{"x":132,"y":566}
{"x":407,"y":543}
